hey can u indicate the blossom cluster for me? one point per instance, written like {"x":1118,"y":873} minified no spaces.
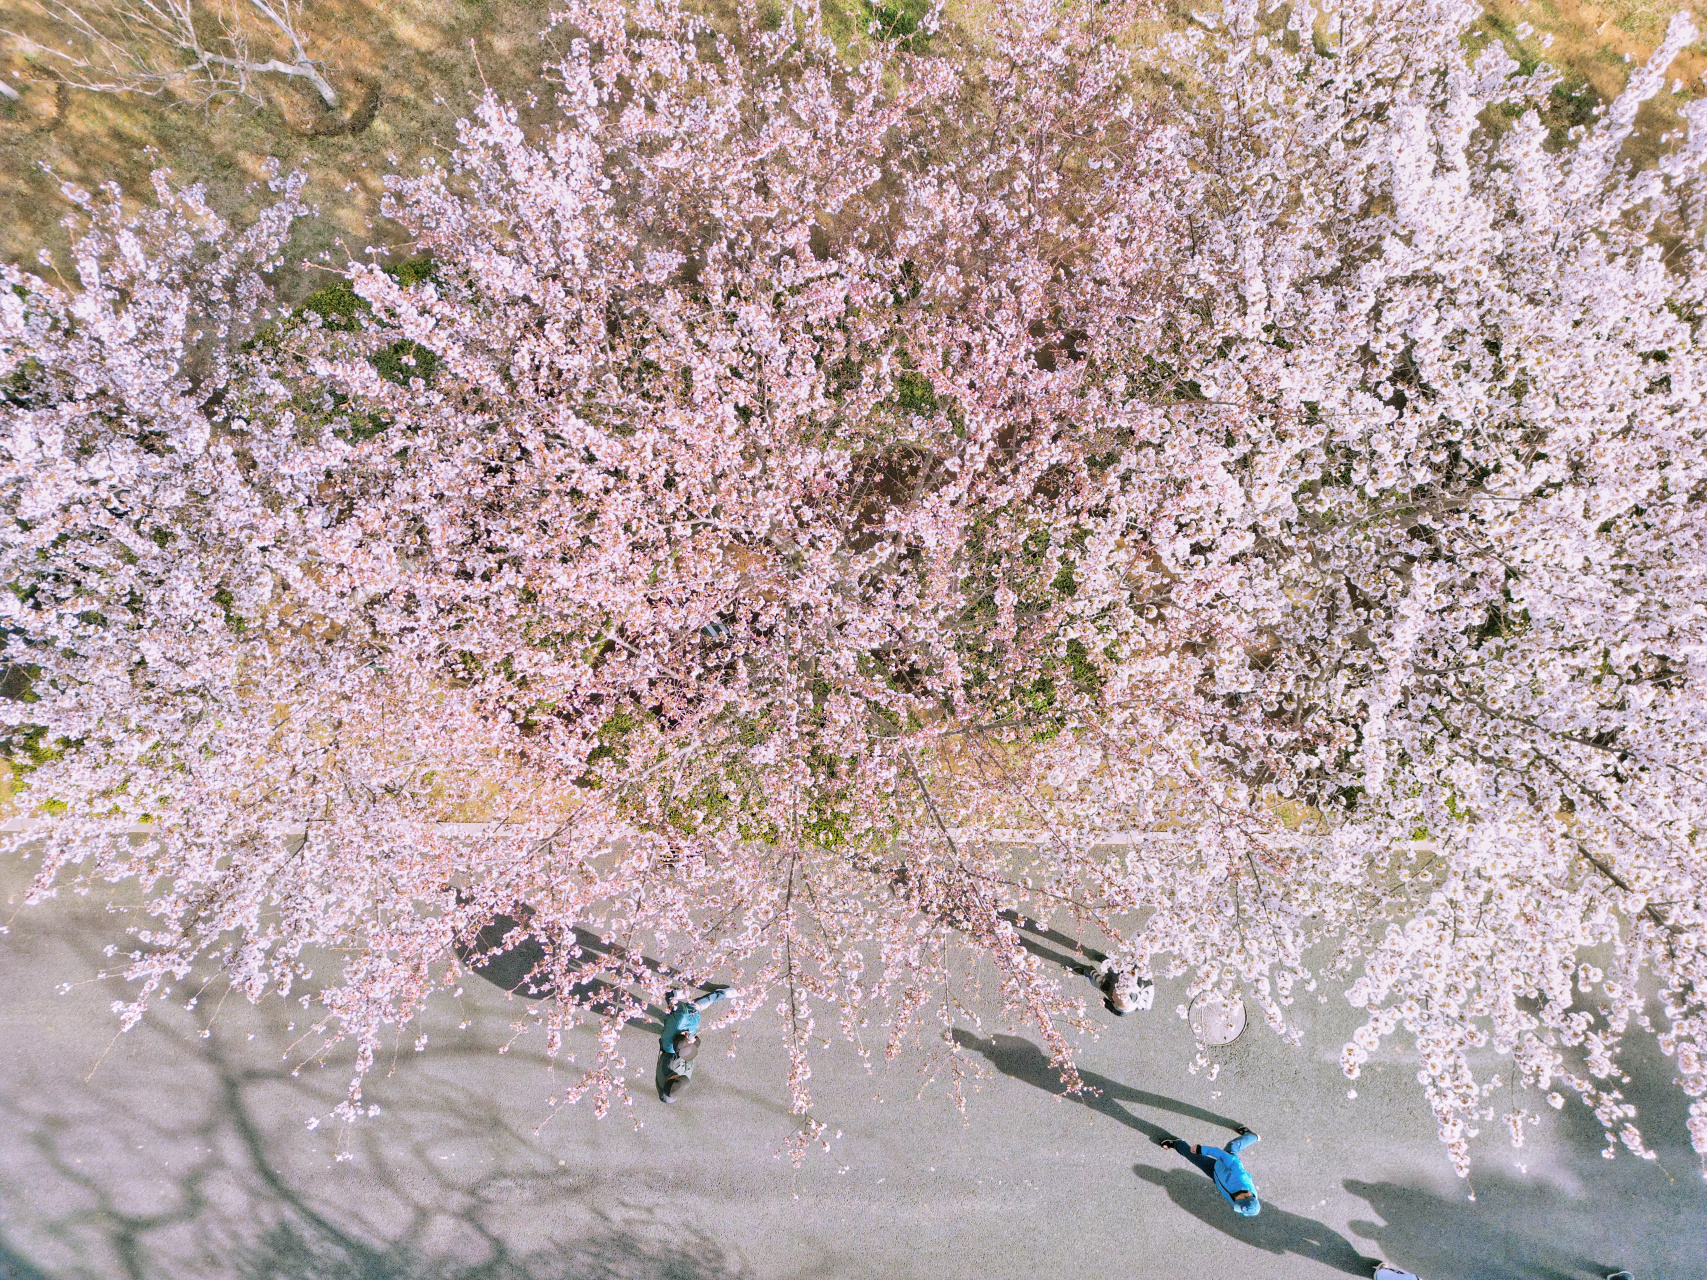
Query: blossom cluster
{"x":1240,"y":495}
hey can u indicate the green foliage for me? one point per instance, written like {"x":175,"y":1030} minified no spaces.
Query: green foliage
{"x":26,"y":749}
{"x":842,"y":377}
{"x":337,"y":305}
{"x":419,"y":269}
{"x":909,"y":285}
{"x":17,"y":680}
{"x":404,"y":360}
{"x":914,"y":393}
{"x":342,"y":311}
{"x":1086,"y":675}
{"x":706,"y":807}
{"x":350,"y":424}
{"x":827,"y":822}
{"x":1501,"y":624}
{"x":225,"y":600}
{"x":1570,"y":104}
{"x":899,"y":21}
{"x":611,"y":747}
{"x":25,"y":388}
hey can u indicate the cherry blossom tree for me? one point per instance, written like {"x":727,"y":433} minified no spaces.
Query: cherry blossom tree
{"x":1239,"y":494}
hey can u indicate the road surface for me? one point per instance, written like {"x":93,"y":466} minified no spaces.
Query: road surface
{"x":180,"y":1157}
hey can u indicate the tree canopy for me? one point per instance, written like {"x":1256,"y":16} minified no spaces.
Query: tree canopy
{"x":1241,"y":492}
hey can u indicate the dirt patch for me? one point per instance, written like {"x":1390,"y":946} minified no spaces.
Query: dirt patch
{"x":404,"y":71}
{"x":1596,"y":47}
{"x":40,"y":109}
{"x":305,"y":114}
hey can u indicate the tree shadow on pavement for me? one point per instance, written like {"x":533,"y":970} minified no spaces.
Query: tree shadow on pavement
{"x":229,"y":1211}
{"x":520,"y":968}
{"x":1024,"y":1061}
{"x":1572,"y":1214}
{"x":1273,"y":1230}
{"x":291,"y":1251}
{"x":14,"y":1267}
{"x":1457,"y":1239}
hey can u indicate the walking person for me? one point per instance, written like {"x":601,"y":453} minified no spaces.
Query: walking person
{"x":1122,"y":989}
{"x":1226,"y":1170}
{"x":678,"y":1041}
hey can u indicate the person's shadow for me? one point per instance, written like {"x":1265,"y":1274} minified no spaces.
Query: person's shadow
{"x":1502,"y":1230}
{"x":1072,"y":955}
{"x":508,"y":954}
{"x":1021,"y":1059}
{"x":512,"y":955}
{"x":1273,"y":1230}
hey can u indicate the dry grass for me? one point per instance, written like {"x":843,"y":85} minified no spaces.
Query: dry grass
{"x":425,"y":57}
{"x":428,"y":58}
{"x":1596,"y":47}
{"x":1598,"y":43}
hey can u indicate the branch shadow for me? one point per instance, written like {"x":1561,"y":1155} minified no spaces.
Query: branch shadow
{"x":518,"y":968}
{"x":14,"y":1266}
{"x":1274,"y":1230}
{"x":287,"y":1251}
{"x":1024,"y":1061}
{"x":1572,"y":1214}
{"x":250,"y":1221}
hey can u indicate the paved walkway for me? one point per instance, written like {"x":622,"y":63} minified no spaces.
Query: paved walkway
{"x":184,"y":1157}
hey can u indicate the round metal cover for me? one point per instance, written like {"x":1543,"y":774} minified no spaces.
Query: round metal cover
{"x":1217,"y":1019}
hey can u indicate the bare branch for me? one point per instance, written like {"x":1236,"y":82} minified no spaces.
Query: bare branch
{"x":195,"y":52}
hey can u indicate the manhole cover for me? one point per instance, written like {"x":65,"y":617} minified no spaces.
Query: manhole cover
{"x":1217,"y":1019}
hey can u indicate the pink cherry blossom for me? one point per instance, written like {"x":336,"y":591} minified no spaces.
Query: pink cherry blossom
{"x":809,"y":512}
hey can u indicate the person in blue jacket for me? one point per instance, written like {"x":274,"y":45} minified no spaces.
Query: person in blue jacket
{"x":1227,"y":1171}
{"x":678,"y":1041}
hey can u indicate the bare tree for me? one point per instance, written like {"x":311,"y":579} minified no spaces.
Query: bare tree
{"x":200,"y":51}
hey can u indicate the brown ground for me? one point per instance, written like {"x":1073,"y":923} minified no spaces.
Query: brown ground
{"x":423,"y":58}
{"x":407,"y":69}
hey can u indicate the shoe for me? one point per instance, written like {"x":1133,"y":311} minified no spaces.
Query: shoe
{"x":1167,"y":1144}
{"x":1241,"y":1130}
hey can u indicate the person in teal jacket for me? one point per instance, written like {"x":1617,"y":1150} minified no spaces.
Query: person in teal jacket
{"x":678,"y":1041}
{"x":1227,"y":1171}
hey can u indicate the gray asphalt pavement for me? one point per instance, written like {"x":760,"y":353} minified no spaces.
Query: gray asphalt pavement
{"x":183,"y":1157}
